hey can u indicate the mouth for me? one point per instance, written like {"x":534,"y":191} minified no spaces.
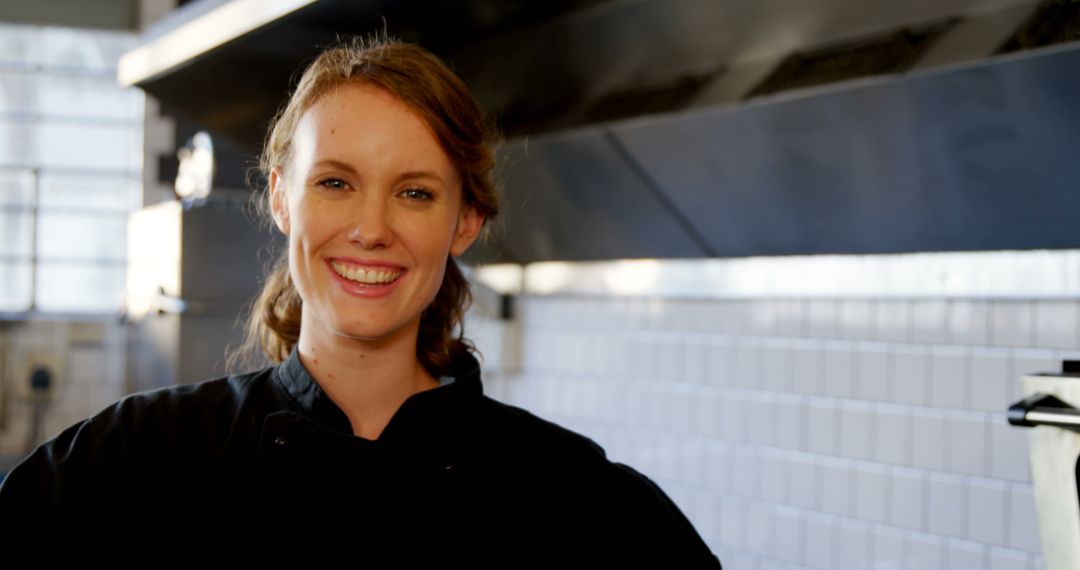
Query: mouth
{"x":367,"y":276}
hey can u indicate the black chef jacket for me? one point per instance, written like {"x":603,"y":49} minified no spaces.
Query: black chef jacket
{"x":455,"y":477}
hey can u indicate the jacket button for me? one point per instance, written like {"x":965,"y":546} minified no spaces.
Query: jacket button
{"x":449,"y":466}
{"x":279,"y":440}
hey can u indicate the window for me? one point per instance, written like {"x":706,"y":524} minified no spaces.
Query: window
{"x":70,"y":168}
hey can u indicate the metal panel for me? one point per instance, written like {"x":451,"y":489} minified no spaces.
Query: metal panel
{"x":574,"y":197}
{"x":968,"y":159}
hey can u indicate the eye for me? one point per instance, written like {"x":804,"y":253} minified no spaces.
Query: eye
{"x":418,"y":194}
{"x":333,"y":183}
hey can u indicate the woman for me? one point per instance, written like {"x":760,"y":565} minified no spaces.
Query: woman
{"x":372,"y":431}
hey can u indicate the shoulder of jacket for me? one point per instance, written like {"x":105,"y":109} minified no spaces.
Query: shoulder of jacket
{"x":520,"y":429}
{"x":178,"y":412}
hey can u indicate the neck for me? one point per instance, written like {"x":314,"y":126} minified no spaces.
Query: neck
{"x":368,"y":380}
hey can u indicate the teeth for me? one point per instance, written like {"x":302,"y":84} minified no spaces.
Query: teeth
{"x":361,"y":275}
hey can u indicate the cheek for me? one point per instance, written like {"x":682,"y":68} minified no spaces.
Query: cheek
{"x":311,"y":229}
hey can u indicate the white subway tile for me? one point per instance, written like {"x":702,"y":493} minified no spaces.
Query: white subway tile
{"x":776,"y":366}
{"x":964,"y":555}
{"x":1004,"y":559}
{"x":760,"y":528}
{"x":658,"y":313}
{"x":856,"y":430}
{"x":821,"y":541}
{"x":760,"y":317}
{"x":748,"y":356}
{"x":822,"y":316}
{"x":742,"y":559}
{"x":719,"y":462}
{"x":732,"y":526}
{"x":926,"y":552}
{"x":534,"y":352}
{"x":773,"y":477}
{"x":1009,"y":457}
{"x":790,"y":317}
{"x":720,"y":362}
{"x":946,"y":504}
{"x":854,"y":544}
{"x":707,"y":414}
{"x":822,"y":426}
{"x":889,"y":547}
{"x":990,"y":379}
{"x":760,"y":419}
{"x":892,"y":434}
{"x":640,"y":355}
{"x":571,"y":359}
{"x":730,"y":317}
{"x":986,"y":511}
{"x":635,"y":401}
{"x":1056,"y":324}
{"x":928,"y":437}
{"x":1037,"y":562}
{"x":871,"y":493}
{"x":681,"y":410}
{"x":746,"y":471}
{"x":618,"y":406}
{"x":770,"y":564}
{"x":928,"y":323}
{"x":704,"y":515}
{"x":907,"y":498}
{"x":910,"y":368}
{"x":969,"y":322}
{"x":688,"y":318}
{"x":605,"y":353}
{"x":857,"y":319}
{"x":806,"y":366}
{"x":654,"y":406}
{"x":894,"y":321}
{"x":948,"y":377}
{"x":838,"y":376}
{"x":789,"y":421}
{"x":789,"y":535}
{"x":804,"y":483}
{"x":1030,"y":361}
{"x":671,"y":353}
{"x":696,"y":355}
{"x":698,"y":309}
{"x":967,"y":450}
{"x":837,"y":486}
{"x":872,"y":380}
{"x":1012,"y":323}
{"x":733,"y":420}
{"x":1023,"y":522}
{"x":583,"y":353}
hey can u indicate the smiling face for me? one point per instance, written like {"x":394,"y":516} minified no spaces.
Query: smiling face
{"x":372,"y":207}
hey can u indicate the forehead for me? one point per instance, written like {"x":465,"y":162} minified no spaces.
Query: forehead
{"x":362,"y":122}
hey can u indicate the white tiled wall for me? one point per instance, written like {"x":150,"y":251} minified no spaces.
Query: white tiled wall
{"x":809,"y":433}
{"x":92,"y":376}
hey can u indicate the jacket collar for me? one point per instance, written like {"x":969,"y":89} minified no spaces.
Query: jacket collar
{"x":422,"y":415}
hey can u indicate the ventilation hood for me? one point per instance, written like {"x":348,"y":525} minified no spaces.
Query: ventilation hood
{"x":689,"y":129}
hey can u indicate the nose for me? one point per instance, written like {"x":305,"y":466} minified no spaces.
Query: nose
{"x":371,"y":226}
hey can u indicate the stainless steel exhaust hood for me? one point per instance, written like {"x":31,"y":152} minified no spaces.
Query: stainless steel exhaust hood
{"x":637,"y":130}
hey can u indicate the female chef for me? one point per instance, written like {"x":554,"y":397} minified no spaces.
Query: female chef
{"x":371,"y":433}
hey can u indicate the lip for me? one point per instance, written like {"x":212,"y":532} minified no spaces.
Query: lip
{"x":366,"y":291}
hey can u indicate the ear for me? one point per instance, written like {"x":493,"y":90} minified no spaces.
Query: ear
{"x":279,"y":203}
{"x":468,"y":227}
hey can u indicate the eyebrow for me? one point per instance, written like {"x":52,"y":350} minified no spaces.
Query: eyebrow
{"x":410,"y":175}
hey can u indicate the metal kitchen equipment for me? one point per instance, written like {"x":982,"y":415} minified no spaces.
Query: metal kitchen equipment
{"x":1050,"y":408}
